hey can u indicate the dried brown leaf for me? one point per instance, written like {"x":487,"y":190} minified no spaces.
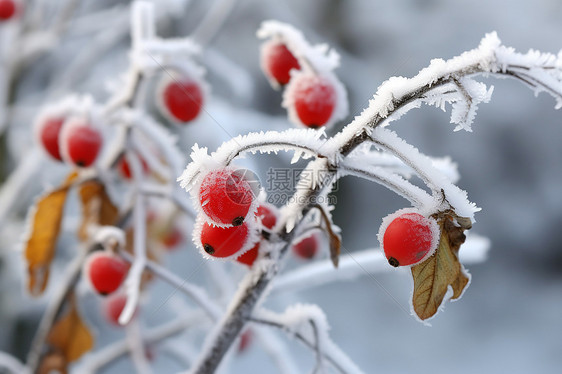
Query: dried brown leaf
{"x":70,"y":336}
{"x":433,"y":277}
{"x":41,"y":243}
{"x":54,"y":362}
{"x":97,"y":208}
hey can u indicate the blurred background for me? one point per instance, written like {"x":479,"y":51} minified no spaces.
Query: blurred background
{"x":509,"y":320}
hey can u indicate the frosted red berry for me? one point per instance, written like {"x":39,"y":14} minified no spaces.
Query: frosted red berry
{"x":407,"y":239}
{"x":226,"y":195}
{"x":7,"y":9}
{"x":106,"y":272}
{"x":278,"y":61}
{"x":307,"y":247}
{"x":224,"y":241}
{"x":113,"y":307}
{"x":83,"y":144}
{"x":250,"y":256}
{"x":125,"y":169}
{"x":314,"y":100}
{"x":183,"y":99}
{"x":267,"y":215}
{"x":49,"y":132}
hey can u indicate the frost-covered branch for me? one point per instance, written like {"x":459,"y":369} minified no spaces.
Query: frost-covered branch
{"x":441,"y":82}
{"x":11,"y":364}
{"x":361,"y":263}
{"x":307,"y":323}
{"x":196,"y":293}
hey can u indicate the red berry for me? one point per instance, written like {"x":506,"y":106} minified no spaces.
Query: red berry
{"x":7,"y":9}
{"x":106,"y":272}
{"x":125,"y":169}
{"x":267,"y":215}
{"x":248,"y":257}
{"x":83,"y":144}
{"x":408,"y":239}
{"x":113,"y":307}
{"x":245,"y":341}
{"x":278,"y":61}
{"x":226,"y":196}
{"x":172,"y":238}
{"x":224,"y":241}
{"x":49,"y":136}
{"x":307,"y":247}
{"x":314,"y":100}
{"x":183,"y":99}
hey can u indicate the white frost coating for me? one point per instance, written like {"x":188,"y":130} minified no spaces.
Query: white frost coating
{"x":541,"y":71}
{"x":320,"y":57}
{"x":371,"y":157}
{"x":481,"y":59}
{"x":142,"y":22}
{"x":426,"y":221}
{"x":394,"y":182}
{"x":341,"y":108}
{"x":356,"y":264}
{"x":291,"y":213}
{"x":110,"y":237}
{"x":251,"y":240}
{"x":165,"y":141}
{"x":299,"y":320}
{"x":12,"y":364}
{"x":464,"y":109}
{"x":305,"y":142}
{"x":456,"y":197}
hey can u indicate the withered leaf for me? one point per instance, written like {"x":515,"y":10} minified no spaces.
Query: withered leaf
{"x":69,"y":335}
{"x":97,"y":208}
{"x":433,"y":276}
{"x":41,"y":243}
{"x":335,"y":239}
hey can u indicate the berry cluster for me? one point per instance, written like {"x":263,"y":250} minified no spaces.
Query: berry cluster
{"x":74,"y":140}
{"x":314,"y":97}
{"x":408,"y":238}
{"x":230,"y":217}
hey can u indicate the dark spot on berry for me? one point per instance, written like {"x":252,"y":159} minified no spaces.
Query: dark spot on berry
{"x":209,"y":249}
{"x":81,"y":163}
{"x":103,"y":293}
{"x":313,"y":125}
{"x":238,"y":221}
{"x":394,"y":262}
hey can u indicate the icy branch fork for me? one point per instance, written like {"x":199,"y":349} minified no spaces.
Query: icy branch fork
{"x":441,"y":82}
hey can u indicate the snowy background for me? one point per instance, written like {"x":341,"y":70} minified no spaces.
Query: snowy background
{"x":509,"y":320}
